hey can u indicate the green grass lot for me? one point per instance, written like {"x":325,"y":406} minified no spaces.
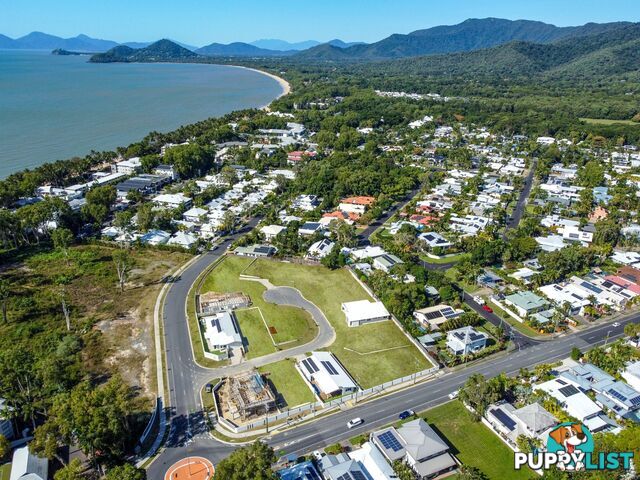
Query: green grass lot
{"x":521,"y":327}
{"x":373,"y":354}
{"x":447,"y":259}
{"x":473,"y":443}
{"x":606,"y":121}
{"x":5,"y":471}
{"x":288,"y":382}
{"x":470,"y":289}
{"x":293,"y":325}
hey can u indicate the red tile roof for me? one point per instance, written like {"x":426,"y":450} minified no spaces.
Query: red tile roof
{"x":358,"y":200}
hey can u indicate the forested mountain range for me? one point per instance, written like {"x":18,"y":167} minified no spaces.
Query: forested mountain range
{"x":160,"y":51}
{"x":472,"y":34}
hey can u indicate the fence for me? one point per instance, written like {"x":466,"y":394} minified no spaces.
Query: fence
{"x":323,"y":406}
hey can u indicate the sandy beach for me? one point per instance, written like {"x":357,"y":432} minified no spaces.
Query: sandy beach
{"x":286,"y":87}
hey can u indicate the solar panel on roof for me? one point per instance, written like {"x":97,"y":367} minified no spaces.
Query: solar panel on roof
{"x":560,"y":381}
{"x":390,"y":442}
{"x":635,"y":401}
{"x":503,"y":418}
{"x":330,"y":368}
{"x":568,"y":391}
{"x":313,"y":364}
{"x":618,"y":395}
{"x":590,"y":286}
{"x":433,"y":315}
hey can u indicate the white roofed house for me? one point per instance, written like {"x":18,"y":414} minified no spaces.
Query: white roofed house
{"x":195,"y":214}
{"x":132,"y":165}
{"x":364,"y":311}
{"x":271,"y":231}
{"x":326,"y":375}
{"x":531,"y":420}
{"x":310,"y":228}
{"x":386,"y":262}
{"x":433,"y":317}
{"x":466,"y":340}
{"x":172,"y":200}
{"x":435,"y":240}
{"x":26,"y":466}
{"x":222,"y":333}
{"x":320,"y":249}
{"x":155,"y":237}
{"x":183,"y":239}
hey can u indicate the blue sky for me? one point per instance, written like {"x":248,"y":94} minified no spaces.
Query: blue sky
{"x":199,"y":22}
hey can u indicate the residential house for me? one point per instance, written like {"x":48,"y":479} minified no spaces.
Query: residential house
{"x":155,"y":237}
{"x":417,"y":444}
{"x":466,"y":340}
{"x":299,"y":471}
{"x":577,"y":404}
{"x":127,"y":167}
{"x":356,"y":204}
{"x":533,"y":421}
{"x":631,"y":374}
{"x":166,"y":171}
{"x":271,"y":231}
{"x":386,"y":262}
{"x":6,"y":425}
{"x":221,"y":332}
{"x":195,"y":214}
{"x":433,"y":317}
{"x":435,"y":240}
{"x":183,"y":239}
{"x":320,"y":249}
{"x":306,"y":203}
{"x":360,"y":312}
{"x":172,"y":200}
{"x":598,"y":214}
{"x":256,"y":250}
{"x":342,"y":467}
{"x":27,"y":466}
{"x":526,"y":303}
{"x":326,"y":375}
{"x":523,"y":274}
{"x":551,"y":243}
{"x":310,"y":228}
{"x":373,"y":462}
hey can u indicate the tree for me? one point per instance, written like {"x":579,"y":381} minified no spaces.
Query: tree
{"x":229,"y":175}
{"x":98,"y":203}
{"x":576,"y":354}
{"x":228,"y":222}
{"x":62,"y":238}
{"x":5,"y":447}
{"x":123,"y":262}
{"x":145,"y":216}
{"x":126,"y":472}
{"x":73,"y":471}
{"x":471,"y":473}
{"x":248,"y":463}
{"x":403,"y":470}
{"x":479,"y":393}
{"x":5,"y":293}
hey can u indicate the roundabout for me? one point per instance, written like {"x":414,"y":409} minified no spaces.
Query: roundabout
{"x":190,"y":468}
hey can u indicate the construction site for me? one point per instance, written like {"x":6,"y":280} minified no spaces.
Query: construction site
{"x":245,"y":398}
{"x":216,"y":302}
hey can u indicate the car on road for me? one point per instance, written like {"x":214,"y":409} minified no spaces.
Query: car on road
{"x":615,"y":324}
{"x":208,"y":388}
{"x":355,"y":422}
{"x":487,"y":308}
{"x":454,"y":394}
{"x":478,"y":299}
{"x":406,"y":414}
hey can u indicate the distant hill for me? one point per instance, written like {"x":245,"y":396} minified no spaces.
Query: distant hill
{"x":472,"y":34}
{"x":610,"y":52}
{"x":283,"y":45}
{"x":44,"y":41}
{"x":160,"y":51}
{"x":239,"y":49}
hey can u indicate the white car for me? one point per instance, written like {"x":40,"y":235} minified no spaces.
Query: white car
{"x":454,"y":394}
{"x":615,"y":324}
{"x":355,"y":422}
{"x":317,"y":454}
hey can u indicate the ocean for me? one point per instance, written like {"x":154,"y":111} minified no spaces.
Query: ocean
{"x":56,"y":107}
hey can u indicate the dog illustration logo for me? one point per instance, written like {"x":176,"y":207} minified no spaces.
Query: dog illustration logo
{"x":574,"y":439}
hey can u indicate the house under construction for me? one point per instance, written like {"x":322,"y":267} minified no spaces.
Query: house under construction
{"x":245,"y":397}
{"x":216,"y":302}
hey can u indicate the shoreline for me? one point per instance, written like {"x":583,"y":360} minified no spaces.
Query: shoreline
{"x":286,"y":86}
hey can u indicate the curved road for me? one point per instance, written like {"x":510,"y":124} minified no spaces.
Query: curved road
{"x":188,"y":434}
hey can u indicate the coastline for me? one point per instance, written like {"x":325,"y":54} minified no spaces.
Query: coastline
{"x":286,"y":86}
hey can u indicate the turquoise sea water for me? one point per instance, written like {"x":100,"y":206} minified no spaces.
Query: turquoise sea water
{"x":55,"y":107}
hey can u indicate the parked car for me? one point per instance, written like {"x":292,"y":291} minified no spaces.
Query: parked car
{"x":454,"y":394}
{"x":478,"y":299}
{"x":208,"y":388}
{"x":317,"y":454}
{"x":487,"y":308}
{"x":406,"y":414}
{"x":355,"y":422}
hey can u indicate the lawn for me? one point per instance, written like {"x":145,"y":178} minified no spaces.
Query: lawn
{"x":5,"y":471}
{"x":521,"y":327}
{"x":374,"y":353}
{"x":445,"y":259}
{"x":288,"y":382}
{"x":293,"y":326}
{"x":607,"y":121}
{"x":473,"y":443}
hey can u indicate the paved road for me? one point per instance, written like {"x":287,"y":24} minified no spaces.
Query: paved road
{"x":518,"y":212}
{"x":363,"y":238}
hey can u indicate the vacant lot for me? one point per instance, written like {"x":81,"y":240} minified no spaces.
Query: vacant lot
{"x":291,"y":326}
{"x":473,"y":443}
{"x":288,"y":383}
{"x":607,"y":121}
{"x":373,"y":353}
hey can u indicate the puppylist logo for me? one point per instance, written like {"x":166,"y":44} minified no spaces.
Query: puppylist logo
{"x":570,"y":447}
